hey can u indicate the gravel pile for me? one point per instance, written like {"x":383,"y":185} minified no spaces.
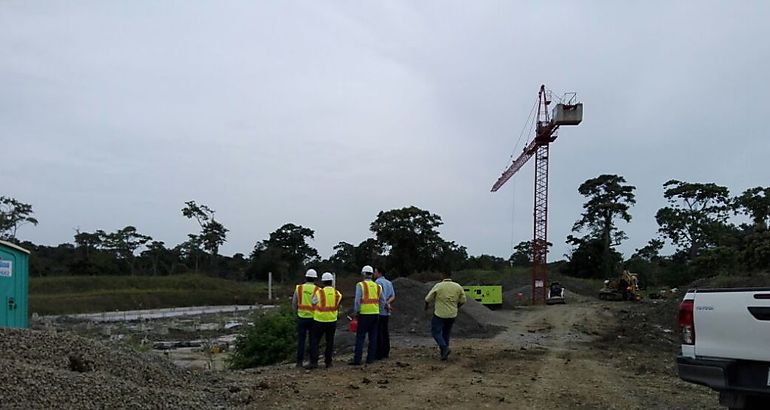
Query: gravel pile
{"x":409,"y":316}
{"x":57,"y":370}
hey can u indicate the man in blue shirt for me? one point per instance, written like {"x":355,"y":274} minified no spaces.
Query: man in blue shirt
{"x":388,"y":296}
{"x":366,"y":307}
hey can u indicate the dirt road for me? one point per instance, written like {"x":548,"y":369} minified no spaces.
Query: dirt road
{"x":556,"y":357}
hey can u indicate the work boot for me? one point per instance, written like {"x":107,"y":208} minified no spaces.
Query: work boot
{"x":354,"y":363}
{"x":445,"y":353}
{"x":328,"y":365}
{"x":311,"y":366}
{"x":298,"y":365}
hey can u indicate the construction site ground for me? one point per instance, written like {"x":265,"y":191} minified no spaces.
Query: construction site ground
{"x":587,"y":354}
{"x":574,"y":356}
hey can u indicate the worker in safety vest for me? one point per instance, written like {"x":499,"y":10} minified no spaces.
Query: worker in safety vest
{"x":302,"y":304}
{"x":367,"y":307}
{"x":326,"y":303}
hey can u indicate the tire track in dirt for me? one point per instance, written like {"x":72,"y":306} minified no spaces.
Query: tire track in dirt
{"x":568,"y":375}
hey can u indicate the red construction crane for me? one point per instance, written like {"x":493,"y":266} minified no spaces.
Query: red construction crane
{"x":569,"y":113}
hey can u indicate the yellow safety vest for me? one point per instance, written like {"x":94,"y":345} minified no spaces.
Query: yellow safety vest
{"x":328,"y":304}
{"x":304,"y":294}
{"x":370,"y":298}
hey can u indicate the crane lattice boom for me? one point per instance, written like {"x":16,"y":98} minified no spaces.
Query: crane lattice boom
{"x":545,"y":134}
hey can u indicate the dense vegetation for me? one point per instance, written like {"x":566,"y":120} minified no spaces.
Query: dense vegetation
{"x":699,"y":222}
{"x":272,"y":339}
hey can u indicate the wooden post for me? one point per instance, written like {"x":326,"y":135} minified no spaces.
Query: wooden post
{"x":270,"y":286}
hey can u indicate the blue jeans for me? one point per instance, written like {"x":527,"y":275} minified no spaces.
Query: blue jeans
{"x":440,"y":329}
{"x":304,"y":329}
{"x":367,"y":326}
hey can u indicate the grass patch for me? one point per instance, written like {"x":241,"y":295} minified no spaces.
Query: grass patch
{"x":87,"y":294}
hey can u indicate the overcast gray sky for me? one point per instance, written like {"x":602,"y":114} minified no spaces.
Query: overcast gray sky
{"x":324,"y":113}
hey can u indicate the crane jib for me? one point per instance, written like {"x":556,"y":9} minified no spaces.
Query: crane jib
{"x":519,"y":162}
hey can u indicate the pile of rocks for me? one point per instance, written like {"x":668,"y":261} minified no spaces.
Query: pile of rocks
{"x":409,"y":316}
{"x":40,"y":369}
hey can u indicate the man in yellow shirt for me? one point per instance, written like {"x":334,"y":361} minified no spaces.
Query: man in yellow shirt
{"x":447,"y":296}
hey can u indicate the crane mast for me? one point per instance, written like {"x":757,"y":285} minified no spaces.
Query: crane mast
{"x":545,"y":133}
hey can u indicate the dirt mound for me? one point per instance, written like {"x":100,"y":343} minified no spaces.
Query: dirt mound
{"x":511,"y":298}
{"x":409,"y":316}
{"x":52,"y":370}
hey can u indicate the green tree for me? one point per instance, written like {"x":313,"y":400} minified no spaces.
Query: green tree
{"x":14,"y":214}
{"x":587,"y":258}
{"x":646,"y":262}
{"x":270,"y":340}
{"x":286,"y":250}
{"x":696,"y":216}
{"x":756,"y":252}
{"x":451,"y":256}
{"x":87,"y":242}
{"x":93,"y":257}
{"x":486,"y":262}
{"x":609,"y":198}
{"x":409,"y":237}
{"x":156,"y":250}
{"x":755,"y":203}
{"x":370,"y":252}
{"x":522,"y":253}
{"x":124,"y":243}
{"x":191,"y":250}
{"x":344,"y":257}
{"x":213,"y":234}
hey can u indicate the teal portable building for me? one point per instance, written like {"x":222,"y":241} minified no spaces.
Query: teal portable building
{"x":14,"y":285}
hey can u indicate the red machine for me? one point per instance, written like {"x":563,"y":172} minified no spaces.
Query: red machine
{"x":569,"y":113}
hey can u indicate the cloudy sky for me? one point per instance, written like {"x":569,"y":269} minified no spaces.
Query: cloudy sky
{"x":324,"y":113}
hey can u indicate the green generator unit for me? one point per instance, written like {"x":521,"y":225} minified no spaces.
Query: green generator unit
{"x":490,"y":296}
{"x":14,"y":285}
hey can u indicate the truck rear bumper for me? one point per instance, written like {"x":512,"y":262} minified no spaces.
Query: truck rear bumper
{"x":726,"y":374}
{"x":709,"y":373}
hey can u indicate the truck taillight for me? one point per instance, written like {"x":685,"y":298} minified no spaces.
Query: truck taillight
{"x":687,"y":322}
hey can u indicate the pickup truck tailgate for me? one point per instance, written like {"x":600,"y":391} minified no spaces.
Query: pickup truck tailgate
{"x":733,"y":324}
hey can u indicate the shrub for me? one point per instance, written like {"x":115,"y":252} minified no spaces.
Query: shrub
{"x":272,"y":339}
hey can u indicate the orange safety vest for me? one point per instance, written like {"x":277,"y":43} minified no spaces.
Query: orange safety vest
{"x":328,"y":304}
{"x":304,"y":294}
{"x":370,"y":297}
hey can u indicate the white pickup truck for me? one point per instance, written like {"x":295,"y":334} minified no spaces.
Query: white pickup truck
{"x":726,"y":344}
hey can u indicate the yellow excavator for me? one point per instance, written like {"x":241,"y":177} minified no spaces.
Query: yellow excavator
{"x":624,"y":287}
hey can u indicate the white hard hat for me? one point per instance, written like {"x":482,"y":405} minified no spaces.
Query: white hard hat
{"x":367,"y":270}
{"x":327,"y":276}
{"x":311,"y":273}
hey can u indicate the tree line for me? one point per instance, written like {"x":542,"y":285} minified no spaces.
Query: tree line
{"x":698,"y":222}
{"x":404,"y":241}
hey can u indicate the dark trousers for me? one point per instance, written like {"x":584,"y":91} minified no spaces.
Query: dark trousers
{"x":383,"y":337}
{"x":367,"y":326}
{"x":304,"y":329}
{"x":440,"y":329}
{"x":322,"y":329}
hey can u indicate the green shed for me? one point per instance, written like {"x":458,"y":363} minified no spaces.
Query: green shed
{"x":14,"y":285}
